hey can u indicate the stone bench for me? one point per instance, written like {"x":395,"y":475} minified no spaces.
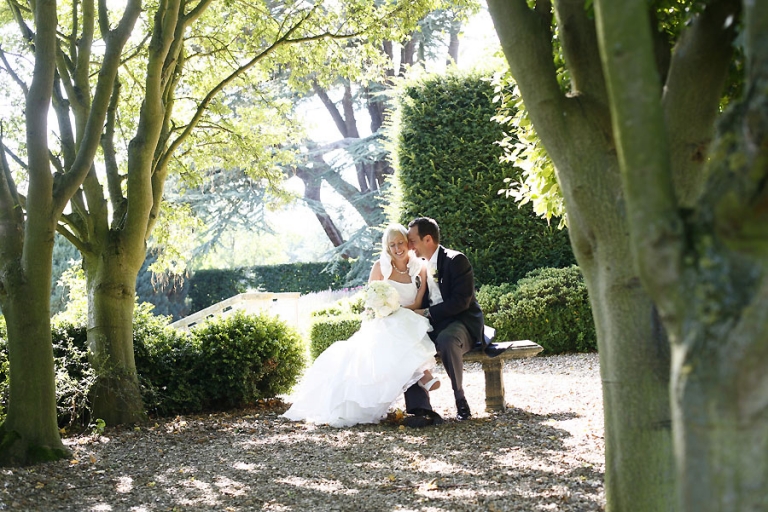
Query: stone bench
{"x":493,"y":367}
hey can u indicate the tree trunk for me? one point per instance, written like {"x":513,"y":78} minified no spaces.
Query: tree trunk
{"x":639,"y":465}
{"x":634,"y":367}
{"x":634,"y":351}
{"x":30,"y":433}
{"x":111,"y":288}
{"x":721,"y":427}
{"x":453,"y":44}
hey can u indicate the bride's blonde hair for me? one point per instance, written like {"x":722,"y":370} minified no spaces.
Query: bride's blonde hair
{"x":389,"y":233}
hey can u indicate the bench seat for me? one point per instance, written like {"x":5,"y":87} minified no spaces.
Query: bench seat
{"x":493,"y":367}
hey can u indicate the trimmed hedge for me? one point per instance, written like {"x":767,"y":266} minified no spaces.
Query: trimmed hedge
{"x":447,"y":167}
{"x":326,"y":332}
{"x":224,"y":363}
{"x":549,"y":306}
{"x":166,"y":360}
{"x":209,"y":286}
{"x":337,"y":322}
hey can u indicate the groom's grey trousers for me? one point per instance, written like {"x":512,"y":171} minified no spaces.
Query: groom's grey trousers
{"x":451,"y":343}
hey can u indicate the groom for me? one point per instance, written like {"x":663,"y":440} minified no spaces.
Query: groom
{"x":453,"y":311}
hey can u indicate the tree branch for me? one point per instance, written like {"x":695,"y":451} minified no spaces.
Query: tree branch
{"x":37,"y":105}
{"x":698,"y":70}
{"x":330,"y":106}
{"x":656,"y":230}
{"x":81,"y":74}
{"x":9,"y":196}
{"x":349,"y":112}
{"x":61,"y":108}
{"x":312,"y":188}
{"x":21,"y":163}
{"x":579,"y":43}
{"x":73,"y":238}
{"x":203,"y":106}
{"x":114,"y":180}
{"x":115,"y":41}
{"x":13,"y":75}
{"x":526,"y":39}
{"x":11,"y":213}
{"x":26,"y":32}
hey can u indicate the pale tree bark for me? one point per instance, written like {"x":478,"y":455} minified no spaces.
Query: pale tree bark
{"x":706,"y":269}
{"x":312,"y":189}
{"x":371,"y":176}
{"x":575,"y":128}
{"x":453,"y":43}
{"x":30,"y":431}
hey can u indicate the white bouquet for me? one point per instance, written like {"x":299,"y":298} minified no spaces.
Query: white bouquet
{"x":381,"y":299}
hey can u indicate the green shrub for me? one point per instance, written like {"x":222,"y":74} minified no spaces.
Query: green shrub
{"x":225,"y":363}
{"x":166,"y":361}
{"x":325,"y":331}
{"x":549,"y":306}
{"x":74,"y":375}
{"x":244,"y":358}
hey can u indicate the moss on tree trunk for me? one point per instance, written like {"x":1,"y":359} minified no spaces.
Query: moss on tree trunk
{"x":110,"y":282}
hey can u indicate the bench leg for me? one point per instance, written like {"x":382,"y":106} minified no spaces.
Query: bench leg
{"x":494,"y":385}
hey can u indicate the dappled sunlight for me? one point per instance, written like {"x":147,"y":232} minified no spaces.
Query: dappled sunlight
{"x":432,"y":465}
{"x":255,"y":460}
{"x":248,"y":467}
{"x":124,"y":484}
{"x":230,"y":487}
{"x":318,"y":484}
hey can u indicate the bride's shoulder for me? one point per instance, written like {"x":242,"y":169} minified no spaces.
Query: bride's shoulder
{"x":376,"y":273}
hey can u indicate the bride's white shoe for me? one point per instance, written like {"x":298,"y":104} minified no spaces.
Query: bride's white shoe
{"x":431,"y":385}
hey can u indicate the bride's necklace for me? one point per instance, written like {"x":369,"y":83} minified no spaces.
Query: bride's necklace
{"x":400,"y":271}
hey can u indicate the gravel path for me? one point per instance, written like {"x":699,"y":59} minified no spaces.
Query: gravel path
{"x":545,"y":453}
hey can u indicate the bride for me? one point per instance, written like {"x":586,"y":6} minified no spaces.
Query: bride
{"x":356,"y":380}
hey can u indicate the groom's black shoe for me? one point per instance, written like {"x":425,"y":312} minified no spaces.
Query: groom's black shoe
{"x":462,"y":410}
{"x":423,"y":418}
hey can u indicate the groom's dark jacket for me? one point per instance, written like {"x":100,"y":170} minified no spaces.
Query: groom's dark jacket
{"x":456,"y":281}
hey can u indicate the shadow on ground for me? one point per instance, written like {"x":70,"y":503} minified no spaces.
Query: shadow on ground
{"x":255,"y":460}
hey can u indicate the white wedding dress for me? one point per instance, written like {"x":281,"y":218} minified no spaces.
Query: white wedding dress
{"x":356,"y":380}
